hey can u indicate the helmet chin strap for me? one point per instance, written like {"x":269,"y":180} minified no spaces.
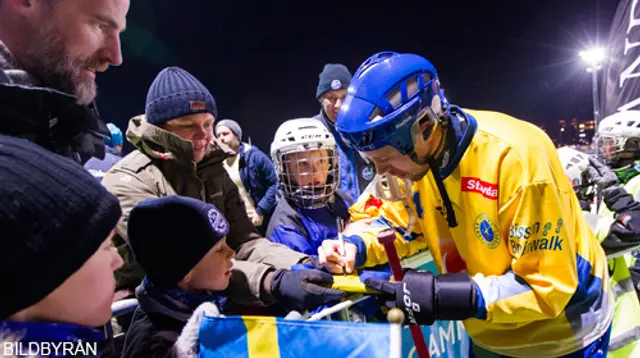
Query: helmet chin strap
{"x":434,"y":167}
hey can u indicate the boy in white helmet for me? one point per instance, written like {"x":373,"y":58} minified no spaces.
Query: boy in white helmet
{"x":619,"y":145}
{"x":305,"y":157}
{"x":618,"y":234}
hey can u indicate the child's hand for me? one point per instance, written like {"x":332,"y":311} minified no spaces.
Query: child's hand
{"x":329,"y":256}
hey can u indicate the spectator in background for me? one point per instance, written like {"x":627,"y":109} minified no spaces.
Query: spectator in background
{"x":182,"y":275}
{"x":253,"y":173}
{"x":113,"y":153}
{"x":306,"y":160}
{"x":58,"y":261}
{"x":356,"y":171}
{"x":177,"y":154}
{"x":49,"y":55}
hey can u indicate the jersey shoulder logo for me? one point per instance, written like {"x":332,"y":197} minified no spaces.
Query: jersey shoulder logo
{"x":486,"y":231}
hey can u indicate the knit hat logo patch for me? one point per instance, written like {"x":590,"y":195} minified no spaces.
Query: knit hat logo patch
{"x":197,"y":106}
{"x":218,"y":222}
{"x":335,"y":84}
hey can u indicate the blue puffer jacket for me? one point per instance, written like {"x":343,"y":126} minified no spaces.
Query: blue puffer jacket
{"x":36,"y":339}
{"x":99,"y":167}
{"x":304,"y":230}
{"x":355,"y":172}
{"x":259,"y":178}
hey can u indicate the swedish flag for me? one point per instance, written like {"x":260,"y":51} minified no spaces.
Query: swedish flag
{"x":250,"y":336}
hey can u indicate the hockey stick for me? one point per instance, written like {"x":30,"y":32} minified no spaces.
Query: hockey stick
{"x":386,"y":238}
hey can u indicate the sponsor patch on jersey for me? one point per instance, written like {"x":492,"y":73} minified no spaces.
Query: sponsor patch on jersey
{"x":486,"y":231}
{"x":475,"y":185}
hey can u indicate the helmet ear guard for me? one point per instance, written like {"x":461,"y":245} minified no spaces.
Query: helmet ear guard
{"x":433,"y":115}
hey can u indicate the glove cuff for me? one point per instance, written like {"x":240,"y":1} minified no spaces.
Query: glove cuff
{"x":271,"y":284}
{"x":416,"y":296}
{"x":455,"y":297}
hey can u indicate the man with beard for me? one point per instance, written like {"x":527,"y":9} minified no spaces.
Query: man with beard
{"x":50,"y":51}
{"x":533,"y":278}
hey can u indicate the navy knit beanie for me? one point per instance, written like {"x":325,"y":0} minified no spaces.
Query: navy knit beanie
{"x":171,"y":234}
{"x":334,"y":76}
{"x":176,"y":93}
{"x":231,"y":124}
{"x":54,"y":216}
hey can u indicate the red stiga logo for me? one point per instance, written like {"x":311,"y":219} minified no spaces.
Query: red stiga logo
{"x":475,"y":185}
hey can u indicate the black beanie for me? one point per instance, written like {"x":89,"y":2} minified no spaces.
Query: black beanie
{"x":171,"y":234}
{"x":334,"y":76}
{"x":54,"y":216}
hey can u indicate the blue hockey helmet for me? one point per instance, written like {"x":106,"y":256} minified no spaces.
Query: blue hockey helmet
{"x":116,"y":137}
{"x":391,"y":98}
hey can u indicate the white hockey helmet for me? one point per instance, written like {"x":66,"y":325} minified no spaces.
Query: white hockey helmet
{"x":575,"y":165}
{"x":304,"y":150}
{"x":617,"y":134}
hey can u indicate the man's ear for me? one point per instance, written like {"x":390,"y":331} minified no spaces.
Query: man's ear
{"x":22,"y":7}
{"x":186,"y":281}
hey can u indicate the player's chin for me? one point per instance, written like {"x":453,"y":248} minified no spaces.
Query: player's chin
{"x":417,"y":176}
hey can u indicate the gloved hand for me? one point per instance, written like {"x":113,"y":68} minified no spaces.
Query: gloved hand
{"x":584,"y":205}
{"x":301,"y":290}
{"x":624,"y":233}
{"x":602,"y":175}
{"x":425,"y":297}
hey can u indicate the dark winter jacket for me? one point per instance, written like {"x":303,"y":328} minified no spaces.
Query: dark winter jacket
{"x":47,"y":117}
{"x":159,"y":320}
{"x":99,"y":167}
{"x":356,"y":172}
{"x":162,"y":165}
{"x":259,"y":178}
{"x":304,"y":230}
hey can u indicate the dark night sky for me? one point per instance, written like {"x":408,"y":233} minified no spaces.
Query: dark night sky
{"x":261,"y":59}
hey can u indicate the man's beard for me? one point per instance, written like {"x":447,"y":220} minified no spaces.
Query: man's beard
{"x":420,"y":173}
{"x":46,"y":59}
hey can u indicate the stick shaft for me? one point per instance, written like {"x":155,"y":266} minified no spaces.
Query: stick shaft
{"x":396,"y":270}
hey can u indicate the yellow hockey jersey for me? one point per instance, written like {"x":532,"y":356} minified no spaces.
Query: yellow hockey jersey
{"x":521,"y":236}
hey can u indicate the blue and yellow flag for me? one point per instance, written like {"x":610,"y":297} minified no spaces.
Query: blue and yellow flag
{"x":271,"y":337}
